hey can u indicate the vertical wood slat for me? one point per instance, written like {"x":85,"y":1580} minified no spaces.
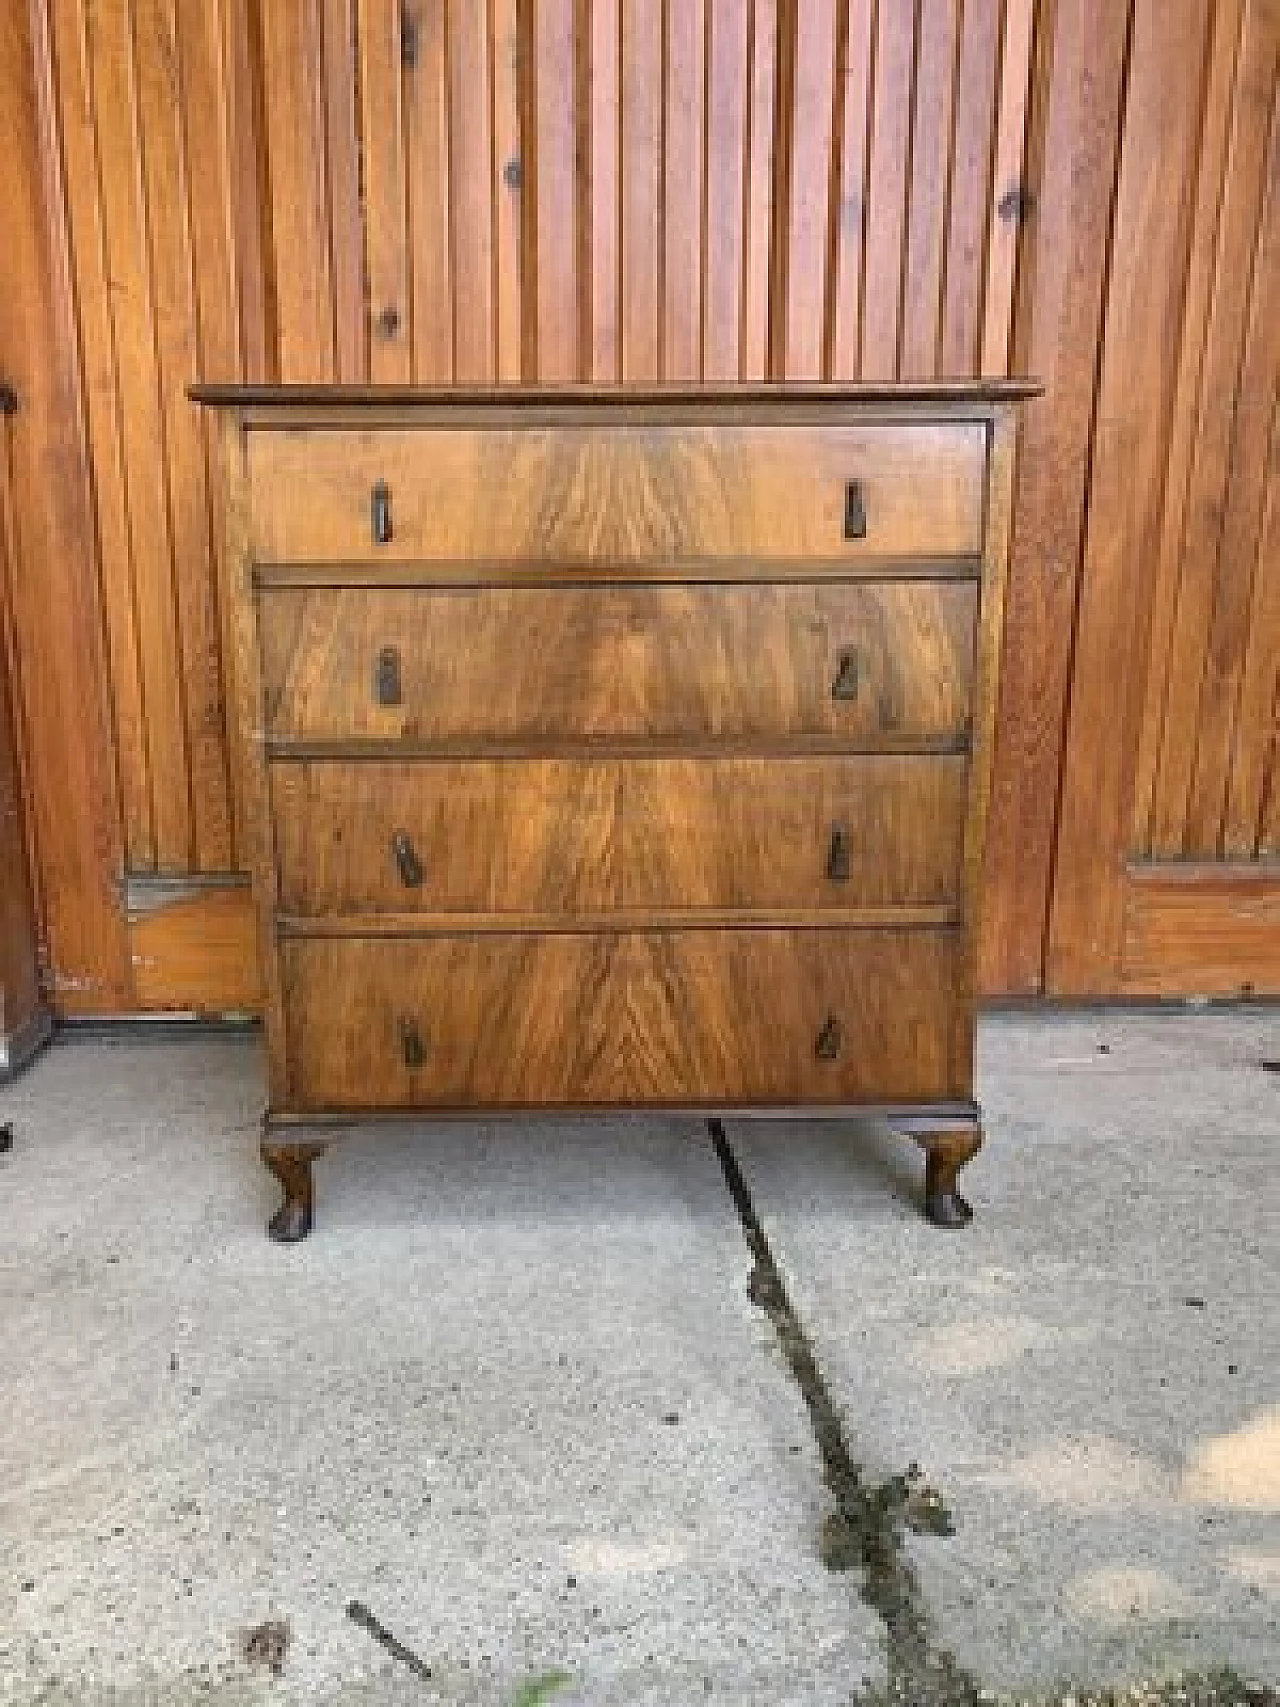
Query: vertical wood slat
{"x":207,"y":108}
{"x":808,"y":211}
{"x":429,"y":187}
{"x":1211,"y":165}
{"x":471,"y":151}
{"x":924,"y":259}
{"x":1136,"y":392}
{"x":1255,"y":765}
{"x":343,"y":133}
{"x":641,"y":191}
{"x":555,"y":269}
{"x":849,"y":257}
{"x":969,"y":214}
{"x":602,"y":364}
{"x":725,"y":188}
{"x":19,"y":927}
{"x":1005,"y":216}
{"x":684,"y":177}
{"x":1211,"y":467}
{"x":134,"y":310}
{"x":1075,"y":124}
{"x":762,"y":60}
{"x":1257,"y":801}
{"x":251,"y":202}
{"x":168,"y":191}
{"x":1224,"y":737}
{"x":889,"y":176}
{"x":508,"y":180}
{"x":386,"y":235}
{"x":54,"y":596}
{"x":297,"y":182}
{"x":78,"y":131}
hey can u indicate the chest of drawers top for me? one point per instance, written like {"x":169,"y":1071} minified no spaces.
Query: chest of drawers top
{"x":616,"y":749}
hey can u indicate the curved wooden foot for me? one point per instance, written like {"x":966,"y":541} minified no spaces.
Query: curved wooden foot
{"x":291,"y":1165}
{"x":945,"y":1154}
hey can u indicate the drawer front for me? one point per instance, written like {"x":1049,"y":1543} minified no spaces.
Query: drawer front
{"x":877,"y":662}
{"x":612,"y":494}
{"x":747,"y":1016}
{"x":569,"y":837}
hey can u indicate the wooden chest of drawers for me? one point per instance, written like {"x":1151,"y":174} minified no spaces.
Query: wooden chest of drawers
{"x":616,"y":752}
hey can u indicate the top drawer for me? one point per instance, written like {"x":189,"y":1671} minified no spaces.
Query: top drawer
{"x":616,"y":495}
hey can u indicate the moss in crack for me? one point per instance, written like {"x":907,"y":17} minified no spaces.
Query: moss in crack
{"x":866,"y":1530}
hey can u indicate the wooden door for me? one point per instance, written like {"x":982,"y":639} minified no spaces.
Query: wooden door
{"x":1168,"y":862}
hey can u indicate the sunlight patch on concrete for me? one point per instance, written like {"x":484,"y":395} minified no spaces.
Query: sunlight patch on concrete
{"x":1239,"y":1469}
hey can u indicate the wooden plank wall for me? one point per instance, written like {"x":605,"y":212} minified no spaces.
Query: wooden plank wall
{"x":1168,"y":860}
{"x":21,"y":1012}
{"x":623,"y":191}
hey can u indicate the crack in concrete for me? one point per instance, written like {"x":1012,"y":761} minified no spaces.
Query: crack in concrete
{"x":866,"y":1531}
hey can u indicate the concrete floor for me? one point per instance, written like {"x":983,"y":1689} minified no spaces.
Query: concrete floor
{"x":512,"y":1395}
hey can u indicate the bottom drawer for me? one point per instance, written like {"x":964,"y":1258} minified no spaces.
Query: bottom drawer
{"x":678,"y":1017}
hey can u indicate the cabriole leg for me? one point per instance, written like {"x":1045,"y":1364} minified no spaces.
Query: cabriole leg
{"x":945,"y":1154}
{"x":291,"y":1165}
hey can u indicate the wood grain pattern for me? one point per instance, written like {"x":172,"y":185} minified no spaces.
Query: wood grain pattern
{"x":1175,"y":599}
{"x":728,"y":90}
{"x":808,"y":214}
{"x":1223,"y":736}
{"x":249,"y":767}
{"x":134,"y":309}
{"x":19,"y":963}
{"x":508,"y":193}
{"x":1206,"y":929}
{"x":889,"y":176}
{"x":929,"y":202}
{"x":685,"y":169}
{"x":471,"y":57}
{"x":1215,"y":126}
{"x":176,"y":331}
{"x":762,"y":165}
{"x":556,"y":259}
{"x":1131,"y":435}
{"x":849,"y":224}
{"x":344,"y":88}
{"x":1013,"y":188}
{"x":54,"y":611}
{"x":387,"y":253}
{"x":983,"y":33}
{"x":684,"y":663}
{"x":1073,"y":153}
{"x":291,"y":42}
{"x":611,"y":495}
{"x":603,"y":355}
{"x":79,"y":130}
{"x":198,"y":954}
{"x":640,"y":190}
{"x":1253,"y":806}
{"x":1204,"y":571}
{"x":670,"y":1017}
{"x":430,"y":190}
{"x":562,"y":838}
